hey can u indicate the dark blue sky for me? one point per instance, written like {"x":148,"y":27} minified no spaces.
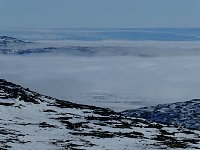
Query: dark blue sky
{"x":99,"y":13}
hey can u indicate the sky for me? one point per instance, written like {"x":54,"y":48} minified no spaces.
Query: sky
{"x":99,"y":13}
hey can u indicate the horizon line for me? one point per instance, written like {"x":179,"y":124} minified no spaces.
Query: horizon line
{"x":99,"y":28}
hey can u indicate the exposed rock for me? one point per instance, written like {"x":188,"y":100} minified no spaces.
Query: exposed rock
{"x":185,"y":114}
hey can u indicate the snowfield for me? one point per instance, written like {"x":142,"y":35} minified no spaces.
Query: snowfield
{"x":30,"y":120}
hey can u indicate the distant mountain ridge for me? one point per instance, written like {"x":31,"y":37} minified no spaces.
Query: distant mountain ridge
{"x":99,"y":34}
{"x":6,"y":40}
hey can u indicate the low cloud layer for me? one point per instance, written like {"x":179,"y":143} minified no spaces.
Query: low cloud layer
{"x":153,"y":79}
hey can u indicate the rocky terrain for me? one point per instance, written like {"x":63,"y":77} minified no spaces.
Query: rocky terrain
{"x":30,"y":120}
{"x":185,"y":114}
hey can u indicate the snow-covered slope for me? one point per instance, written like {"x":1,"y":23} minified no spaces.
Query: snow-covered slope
{"x":29,"y":120}
{"x":186,"y":114}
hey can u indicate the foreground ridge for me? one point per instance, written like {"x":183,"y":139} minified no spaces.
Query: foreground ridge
{"x":30,"y":120}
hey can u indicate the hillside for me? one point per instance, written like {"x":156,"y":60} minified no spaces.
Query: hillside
{"x":30,"y":120}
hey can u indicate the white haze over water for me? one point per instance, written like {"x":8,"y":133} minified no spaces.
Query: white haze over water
{"x":119,"y":82}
